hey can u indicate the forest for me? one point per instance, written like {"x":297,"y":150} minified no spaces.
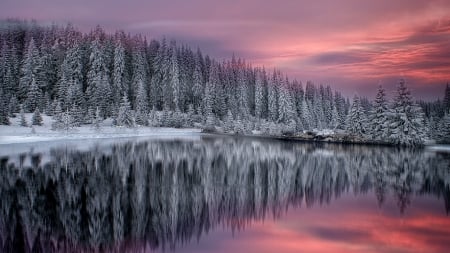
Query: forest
{"x":84,"y":78}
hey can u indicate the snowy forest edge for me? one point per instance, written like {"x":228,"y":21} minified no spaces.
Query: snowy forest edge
{"x":89,"y":79}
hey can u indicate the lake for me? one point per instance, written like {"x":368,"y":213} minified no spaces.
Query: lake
{"x":210,"y":193}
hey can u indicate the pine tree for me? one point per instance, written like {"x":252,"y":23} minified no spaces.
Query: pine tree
{"x":57,"y":117}
{"x":13,"y":106}
{"x":379,"y":116}
{"x":259,"y":94}
{"x":447,"y":98}
{"x":443,"y":132}
{"x":175,"y":80}
{"x":125,"y":116}
{"x":407,"y":122}
{"x":356,"y":118}
{"x":97,"y":120}
{"x":4,"y":119}
{"x":229,"y":122}
{"x":272,"y":98}
{"x":286,"y":112}
{"x":119,"y":84}
{"x":97,"y":79}
{"x":23,"y":120}
{"x":334,"y":123}
{"x":141,"y":105}
{"x":306,"y":116}
{"x":197,"y":89}
{"x":37,"y":118}
{"x":33,"y":97}
{"x":28,"y":70}
{"x":208,"y":103}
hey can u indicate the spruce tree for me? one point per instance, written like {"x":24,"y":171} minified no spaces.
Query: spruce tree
{"x":125,"y":116}
{"x":23,"y":120}
{"x":356,"y":118}
{"x":379,"y":116}
{"x":4,"y":118}
{"x":406,"y":124}
{"x":36,"y":120}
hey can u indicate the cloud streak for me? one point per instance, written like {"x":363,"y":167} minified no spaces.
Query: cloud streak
{"x":342,"y":43}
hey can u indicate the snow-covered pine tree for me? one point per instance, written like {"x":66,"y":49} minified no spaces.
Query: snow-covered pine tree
{"x":272,"y":97}
{"x":197,"y":89}
{"x":335,"y":122}
{"x":243,"y":93}
{"x":229,"y":123}
{"x":175,"y":80}
{"x":447,"y":98}
{"x":28,"y":70}
{"x":97,"y":79}
{"x":13,"y":106}
{"x":286,"y":110}
{"x":379,"y":116}
{"x":207,"y":105}
{"x":356,"y":119}
{"x":444,"y":129}
{"x":119,"y":83}
{"x":57,"y":122}
{"x":97,"y":120}
{"x":141,"y":104}
{"x":36,"y":120}
{"x":33,"y":98}
{"x":406,"y":125}
{"x":259,"y":94}
{"x":23,"y":120}
{"x":189,"y":122}
{"x":76,"y":115}
{"x":125,"y":116}
{"x":306,"y":117}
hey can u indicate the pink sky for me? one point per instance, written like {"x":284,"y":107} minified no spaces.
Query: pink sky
{"x":352,"y":45}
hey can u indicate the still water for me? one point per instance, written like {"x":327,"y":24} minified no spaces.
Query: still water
{"x":222,"y":194}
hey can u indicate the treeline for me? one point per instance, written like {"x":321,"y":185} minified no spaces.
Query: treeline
{"x":83,"y":78}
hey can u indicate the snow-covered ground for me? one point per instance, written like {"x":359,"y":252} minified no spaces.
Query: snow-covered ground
{"x":14,"y":133}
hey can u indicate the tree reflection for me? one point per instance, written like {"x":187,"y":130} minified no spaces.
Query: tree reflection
{"x":158,"y":194}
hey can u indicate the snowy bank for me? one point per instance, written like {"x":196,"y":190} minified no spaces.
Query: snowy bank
{"x":15,"y":133}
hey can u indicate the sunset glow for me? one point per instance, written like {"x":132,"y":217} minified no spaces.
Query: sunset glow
{"x":351,"y":45}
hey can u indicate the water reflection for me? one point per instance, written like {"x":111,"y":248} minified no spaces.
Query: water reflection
{"x":162,"y":194}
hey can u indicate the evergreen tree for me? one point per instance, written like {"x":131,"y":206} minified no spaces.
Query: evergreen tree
{"x":259,"y":94}
{"x":286,"y":112}
{"x":141,"y":105}
{"x":57,"y":117}
{"x":379,"y":116}
{"x":443,"y":132}
{"x":28,"y":70}
{"x":447,"y":98}
{"x":356,"y":118}
{"x":119,"y":84}
{"x":272,"y":98}
{"x":33,"y":97}
{"x":125,"y":116}
{"x":97,"y":120}
{"x":208,"y":103}
{"x":306,"y":116}
{"x":4,"y":118}
{"x":407,"y":122}
{"x":229,"y":122}
{"x":36,"y":120}
{"x":197,"y":89}
{"x":13,"y":106}
{"x":23,"y":120}
{"x":334,"y":123}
